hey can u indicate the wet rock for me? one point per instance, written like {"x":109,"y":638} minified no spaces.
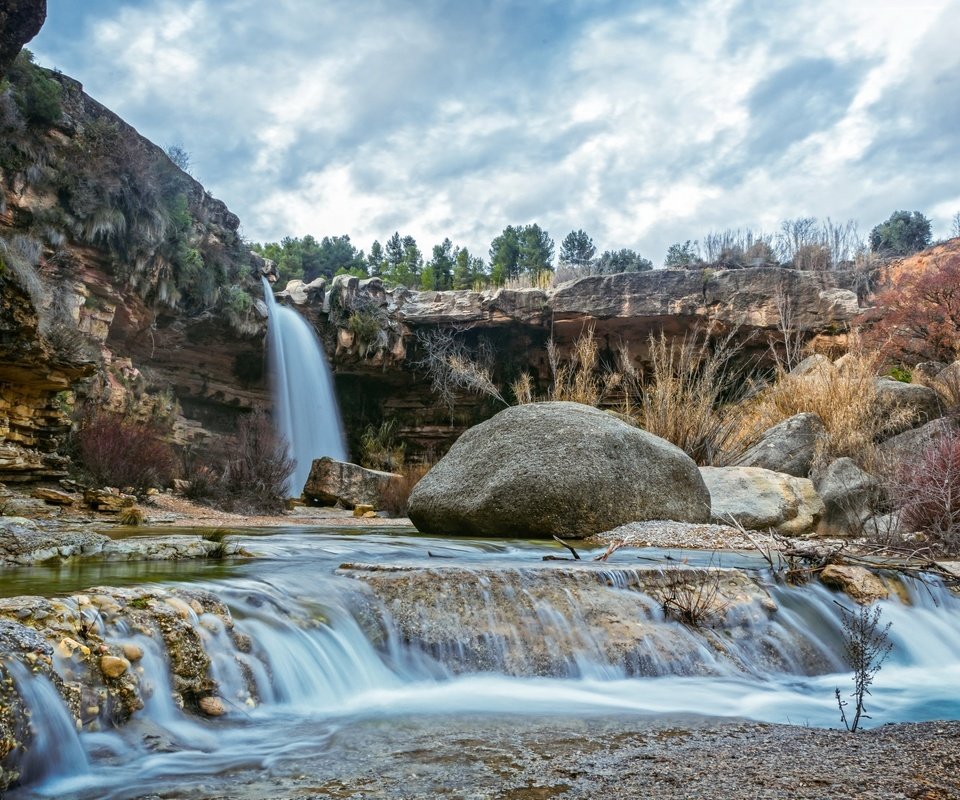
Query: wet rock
{"x":858,"y":583}
{"x":561,"y":469}
{"x":332,"y":482}
{"x":35,"y":654}
{"x":23,"y":542}
{"x":545,"y":619}
{"x":113,"y":667}
{"x":131,"y":651}
{"x":759,"y":499}
{"x":212,"y":706}
{"x":787,"y":447}
{"x":98,"y":673}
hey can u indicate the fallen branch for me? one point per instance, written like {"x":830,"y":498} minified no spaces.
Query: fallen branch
{"x":576,"y":555}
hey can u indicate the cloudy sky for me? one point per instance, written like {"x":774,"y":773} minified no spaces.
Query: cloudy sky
{"x":643,"y":122}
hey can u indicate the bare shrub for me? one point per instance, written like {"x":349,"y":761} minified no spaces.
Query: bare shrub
{"x":866,"y":647}
{"x":693,"y":597}
{"x":118,"y":451}
{"x":255,"y":477}
{"x":394,"y":498}
{"x":928,"y":493}
{"x":454,"y":368}
{"x":690,"y":395}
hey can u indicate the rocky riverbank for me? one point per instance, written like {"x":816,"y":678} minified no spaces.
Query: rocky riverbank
{"x":611,"y":757}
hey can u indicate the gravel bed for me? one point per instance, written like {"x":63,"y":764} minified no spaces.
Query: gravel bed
{"x":589,"y":758}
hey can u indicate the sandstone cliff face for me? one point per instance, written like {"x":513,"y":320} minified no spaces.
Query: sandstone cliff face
{"x":123,"y":283}
{"x":375,"y":336}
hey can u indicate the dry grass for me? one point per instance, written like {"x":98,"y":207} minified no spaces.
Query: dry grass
{"x":947,"y":386}
{"x":844,"y":396}
{"x":394,"y":498}
{"x":690,"y":396}
{"x":580,"y":379}
{"x":132,"y":516}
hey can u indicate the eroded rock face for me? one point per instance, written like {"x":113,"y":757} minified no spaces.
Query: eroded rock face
{"x":759,"y":499}
{"x":20,"y":21}
{"x":560,"y":469}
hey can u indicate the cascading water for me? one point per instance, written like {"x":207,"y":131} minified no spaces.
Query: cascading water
{"x":305,"y":405}
{"x":319,"y":651}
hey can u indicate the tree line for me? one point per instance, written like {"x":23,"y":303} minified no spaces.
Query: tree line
{"x":528,"y":250}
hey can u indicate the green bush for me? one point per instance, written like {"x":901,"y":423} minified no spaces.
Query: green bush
{"x":902,"y":234}
{"x":39,"y":98}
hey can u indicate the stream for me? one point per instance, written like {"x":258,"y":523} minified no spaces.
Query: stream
{"x":429,"y":633}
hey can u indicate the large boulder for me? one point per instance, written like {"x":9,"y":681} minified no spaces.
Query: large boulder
{"x":760,"y":499}
{"x":921,"y":402}
{"x":560,"y":469}
{"x":787,"y":447}
{"x":331,"y":482}
{"x":905,"y":448}
{"x":850,"y":498}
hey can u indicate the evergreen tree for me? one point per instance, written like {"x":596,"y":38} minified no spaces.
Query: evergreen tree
{"x":441,"y":265}
{"x":683,"y":256}
{"x":467,"y":269}
{"x":901,"y":235}
{"x":577,"y":249}
{"x":536,"y":250}
{"x":625,"y":260}
{"x":376,"y":259}
{"x":393,"y":255}
{"x":504,"y":255}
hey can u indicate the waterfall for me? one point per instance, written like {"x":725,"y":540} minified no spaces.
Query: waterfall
{"x":55,"y":757}
{"x":305,"y":406}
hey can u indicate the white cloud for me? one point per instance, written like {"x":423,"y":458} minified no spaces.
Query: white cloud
{"x":638,"y":122}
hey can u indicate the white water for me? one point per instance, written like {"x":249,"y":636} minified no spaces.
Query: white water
{"x":329,"y":658}
{"x":305,"y":406}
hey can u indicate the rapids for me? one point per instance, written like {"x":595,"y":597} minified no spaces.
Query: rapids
{"x":334,"y":651}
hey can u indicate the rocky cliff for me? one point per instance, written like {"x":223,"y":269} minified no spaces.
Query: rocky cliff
{"x":377,"y":337}
{"x":20,"y":21}
{"x":123,"y":283}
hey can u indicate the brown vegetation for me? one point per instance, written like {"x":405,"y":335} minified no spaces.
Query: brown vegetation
{"x":845,"y":398}
{"x":928,"y":493}
{"x":920,"y":313}
{"x":395,"y":496}
{"x":118,"y":451}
